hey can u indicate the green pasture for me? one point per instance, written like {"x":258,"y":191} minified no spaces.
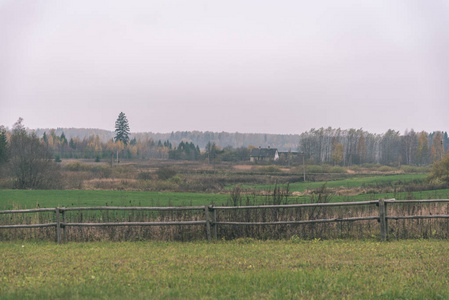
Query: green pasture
{"x":78,"y":198}
{"x":353,"y":182}
{"x":240,"y":269}
{"x":81,"y":198}
{"x":419,"y":195}
{"x":69,"y":198}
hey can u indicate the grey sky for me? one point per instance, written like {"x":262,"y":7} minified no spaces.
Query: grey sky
{"x":247,"y":66}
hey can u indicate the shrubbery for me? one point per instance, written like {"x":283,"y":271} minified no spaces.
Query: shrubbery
{"x":164,"y":173}
{"x":440,"y":170}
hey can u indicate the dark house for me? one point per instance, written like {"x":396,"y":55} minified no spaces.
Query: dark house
{"x":264,"y":154}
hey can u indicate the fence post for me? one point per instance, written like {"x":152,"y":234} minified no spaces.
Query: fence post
{"x":58,"y":226}
{"x":206,"y":210}
{"x":386,"y":220}
{"x":214,"y":223}
{"x":64,"y":232}
{"x":382,"y":220}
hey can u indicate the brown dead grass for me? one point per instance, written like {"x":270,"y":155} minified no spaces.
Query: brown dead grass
{"x":243,"y":167}
{"x":109,"y":184}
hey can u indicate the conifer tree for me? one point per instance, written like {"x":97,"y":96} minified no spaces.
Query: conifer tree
{"x":122,"y":129}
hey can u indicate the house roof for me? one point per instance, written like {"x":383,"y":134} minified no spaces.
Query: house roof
{"x":263,"y":152}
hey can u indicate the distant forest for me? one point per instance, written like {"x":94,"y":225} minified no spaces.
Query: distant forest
{"x":282,"y":142}
{"x":321,"y":146}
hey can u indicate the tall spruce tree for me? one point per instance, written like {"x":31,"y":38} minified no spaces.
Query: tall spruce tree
{"x":122,"y":129}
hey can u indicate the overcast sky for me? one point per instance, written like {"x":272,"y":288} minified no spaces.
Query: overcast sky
{"x":246,"y":66}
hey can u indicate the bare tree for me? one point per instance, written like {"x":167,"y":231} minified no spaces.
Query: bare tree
{"x":31,"y":162}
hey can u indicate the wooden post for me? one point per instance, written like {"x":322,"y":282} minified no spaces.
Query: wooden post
{"x":382,"y":220}
{"x":304,"y":166}
{"x":206,"y":210}
{"x":58,"y":226}
{"x":64,"y":232}
{"x":386,"y":220}
{"x":214,"y":222}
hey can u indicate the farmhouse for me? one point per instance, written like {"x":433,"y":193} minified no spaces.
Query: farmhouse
{"x":264,"y":154}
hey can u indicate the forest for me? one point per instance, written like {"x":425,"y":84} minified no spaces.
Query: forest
{"x":319,"y":146}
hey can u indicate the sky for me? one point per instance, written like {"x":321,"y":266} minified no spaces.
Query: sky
{"x":236,"y":66}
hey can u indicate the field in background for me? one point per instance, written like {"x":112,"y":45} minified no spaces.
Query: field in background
{"x":244,"y":268}
{"x":399,"y":186}
{"x":354,"y":181}
{"x":22,"y":199}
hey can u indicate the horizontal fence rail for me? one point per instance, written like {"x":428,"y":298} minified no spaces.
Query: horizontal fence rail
{"x":24,"y":211}
{"x":297,"y":205}
{"x":210,"y":216}
{"x":300,"y":222}
{"x":174,"y":208}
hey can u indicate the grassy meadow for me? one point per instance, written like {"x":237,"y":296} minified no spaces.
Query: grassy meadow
{"x":79,"y":198}
{"x":243,"y":268}
{"x":283,"y":262}
{"x":352,"y":182}
{"x":350,"y":189}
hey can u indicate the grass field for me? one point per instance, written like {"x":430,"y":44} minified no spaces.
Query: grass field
{"x":353,"y":182}
{"x":67,"y":198}
{"x":79,"y":198}
{"x":411,"y":269}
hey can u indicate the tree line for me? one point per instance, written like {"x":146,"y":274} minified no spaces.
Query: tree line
{"x":31,"y":160}
{"x":320,"y":146}
{"x":356,"y":146}
{"x":284,"y":142}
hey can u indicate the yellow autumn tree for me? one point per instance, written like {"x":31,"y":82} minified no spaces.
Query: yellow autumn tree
{"x":437,"y":149}
{"x":361,"y":149}
{"x":422,"y":151}
{"x":337,"y":153}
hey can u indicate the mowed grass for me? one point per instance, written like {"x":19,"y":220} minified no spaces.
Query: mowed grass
{"x":81,"y":198}
{"x":241,"y":269}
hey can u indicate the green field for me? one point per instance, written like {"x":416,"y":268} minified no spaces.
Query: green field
{"x":80,"y":198}
{"x":69,"y":198}
{"x":353,"y":182}
{"x":411,"y":269}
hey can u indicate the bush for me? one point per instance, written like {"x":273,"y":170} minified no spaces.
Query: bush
{"x":102,"y":171}
{"x":415,"y":169}
{"x":371,"y":166}
{"x":314,"y":169}
{"x":76,"y":167}
{"x":270,"y":169}
{"x":175,"y":179}
{"x":164,"y":173}
{"x":386,"y":169}
{"x":440,"y":171}
{"x":144,"y":176}
{"x":355,"y":168}
{"x":337,"y":169}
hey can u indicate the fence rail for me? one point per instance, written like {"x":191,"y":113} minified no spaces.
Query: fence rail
{"x":210,"y":216}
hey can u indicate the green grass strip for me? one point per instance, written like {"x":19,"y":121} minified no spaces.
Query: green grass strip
{"x":241,"y":269}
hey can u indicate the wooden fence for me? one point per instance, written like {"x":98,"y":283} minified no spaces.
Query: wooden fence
{"x":210,"y":216}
